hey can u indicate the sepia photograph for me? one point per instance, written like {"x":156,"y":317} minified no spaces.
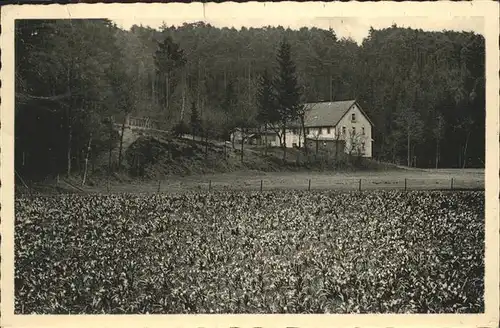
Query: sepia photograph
{"x":248,"y":165}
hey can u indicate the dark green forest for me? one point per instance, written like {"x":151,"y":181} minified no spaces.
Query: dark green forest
{"x":424,"y":91}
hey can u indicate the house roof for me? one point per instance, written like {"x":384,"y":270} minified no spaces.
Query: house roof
{"x":325,"y":113}
{"x":328,"y":113}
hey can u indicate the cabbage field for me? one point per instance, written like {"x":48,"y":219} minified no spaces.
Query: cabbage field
{"x":251,"y":252}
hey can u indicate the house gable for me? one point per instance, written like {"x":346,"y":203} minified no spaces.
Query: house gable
{"x":355,"y":105}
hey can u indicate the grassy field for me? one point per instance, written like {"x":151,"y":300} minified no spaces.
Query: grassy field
{"x":416,"y":179}
{"x":180,"y":164}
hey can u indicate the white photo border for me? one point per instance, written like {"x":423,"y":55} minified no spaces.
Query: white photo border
{"x":213,"y":11}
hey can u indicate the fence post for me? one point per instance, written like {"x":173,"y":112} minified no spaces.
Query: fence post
{"x":309,"y":188}
{"x":209,"y":185}
{"x":451,"y":183}
{"x":107,"y":186}
{"x":159,"y":185}
{"x":261,"y":185}
{"x":405,"y":184}
{"x":360,"y":185}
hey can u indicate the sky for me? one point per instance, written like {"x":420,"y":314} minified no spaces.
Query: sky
{"x":349,"y":27}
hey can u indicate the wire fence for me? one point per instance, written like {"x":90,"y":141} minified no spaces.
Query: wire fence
{"x":348,"y":184}
{"x":264,"y":185}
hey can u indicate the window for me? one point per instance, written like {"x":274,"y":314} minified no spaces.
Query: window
{"x":353,"y":130}
{"x":328,"y":130}
{"x":343,"y":130}
{"x":294,"y":131}
{"x":363,"y":130}
{"x":353,"y":117}
{"x":307,"y":131}
{"x":320,"y":130}
{"x":363,"y":146}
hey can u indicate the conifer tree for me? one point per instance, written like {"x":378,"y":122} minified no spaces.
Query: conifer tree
{"x":287,"y":90}
{"x":267,"y":114}
{"x":195,"y":120}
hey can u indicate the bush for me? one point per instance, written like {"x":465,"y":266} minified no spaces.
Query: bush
{"x":181,"y":128}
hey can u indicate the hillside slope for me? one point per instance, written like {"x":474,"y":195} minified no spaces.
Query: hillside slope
{"x":151,"y":157}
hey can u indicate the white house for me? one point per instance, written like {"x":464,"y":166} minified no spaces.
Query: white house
{"x":331,"y":122}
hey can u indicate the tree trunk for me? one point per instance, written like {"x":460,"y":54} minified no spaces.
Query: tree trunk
{"x":265,"y":138}
{"x":408,"y":159}
{"x":413,"y":156}
{"x":198,"y":93}
{"x":303,"y":126}
{"x":225,"y":80}
{"x":242,"y":141}
{"x":167,"y":91}
{"x":202,"y":107}
{"x":206,"y":143}
{"x":70,"y":126}
{"x":382,"y":148}
{"x":437,"y":153}
{"x":336,"y":152}
{"x":183,"y":98}
{"x":280,"y":136}
{"x":86,"y":161}
{"x":284,"y":141}
{"x":249,"y":85}
{"x":68,"y":150}
{"x":460,"y":157}
{"x":121,"y":143}
{"x":153,"y":95}
{"x":336,"y":146}
{"x":465,"y":150}
{"x":110,"y":149}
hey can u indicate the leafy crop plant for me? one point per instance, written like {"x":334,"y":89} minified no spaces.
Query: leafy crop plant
{"x":251,"y":252}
